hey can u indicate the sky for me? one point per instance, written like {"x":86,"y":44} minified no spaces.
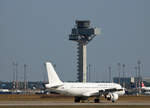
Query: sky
{"x":35,"y":31}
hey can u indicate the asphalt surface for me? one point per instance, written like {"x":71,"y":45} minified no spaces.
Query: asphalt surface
{"x":49,"y":103}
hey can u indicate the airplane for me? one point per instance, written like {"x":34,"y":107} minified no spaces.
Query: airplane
{"x":5,"y":91}
{"x":82,"y":91}
{"x":145,"y":90}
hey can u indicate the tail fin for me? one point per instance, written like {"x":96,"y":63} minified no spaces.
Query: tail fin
{"x":52,"y":75}
{"x":142,"y":84}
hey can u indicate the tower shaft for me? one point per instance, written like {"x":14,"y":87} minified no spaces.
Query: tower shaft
{"x":82,"y":62}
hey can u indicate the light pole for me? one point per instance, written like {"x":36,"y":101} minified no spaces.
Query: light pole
{"x":123,"y":70}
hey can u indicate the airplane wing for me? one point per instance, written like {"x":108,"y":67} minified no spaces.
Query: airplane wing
{"x":91,"y":93}
{"x":101,"y":92}
{"x":53,"y":85}
{"x":106,"y":91}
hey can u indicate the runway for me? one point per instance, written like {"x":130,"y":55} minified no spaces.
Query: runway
{"x":54,"y":100}
{"x":50,"y":103}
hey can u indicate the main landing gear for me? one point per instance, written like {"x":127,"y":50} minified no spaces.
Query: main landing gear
{"x":97,"y":100}
{"x":81,"y":99}
{"x":77,"y":99}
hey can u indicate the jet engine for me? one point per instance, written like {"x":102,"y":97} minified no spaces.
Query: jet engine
{"x":112,"y":97}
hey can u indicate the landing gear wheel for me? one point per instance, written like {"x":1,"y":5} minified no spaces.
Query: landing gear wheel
{"x":113,"y":101}
{"x":77,"y":100}
{"x":96,"y":100}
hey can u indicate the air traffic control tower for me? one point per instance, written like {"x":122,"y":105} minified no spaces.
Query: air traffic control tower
{"x":82,"y":33}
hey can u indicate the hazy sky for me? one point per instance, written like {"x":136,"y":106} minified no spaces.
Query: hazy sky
{"x":35,"y":31}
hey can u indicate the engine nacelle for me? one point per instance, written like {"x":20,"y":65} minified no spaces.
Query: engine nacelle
{"x":112,"y":96}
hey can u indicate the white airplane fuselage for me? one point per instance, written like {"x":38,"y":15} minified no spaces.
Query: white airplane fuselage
{"x":84,"y":89}
{"x":146,"y":90}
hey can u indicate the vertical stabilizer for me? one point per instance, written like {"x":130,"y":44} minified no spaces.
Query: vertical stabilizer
{"x":142,"y":84}
{"x":52,"y":75}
